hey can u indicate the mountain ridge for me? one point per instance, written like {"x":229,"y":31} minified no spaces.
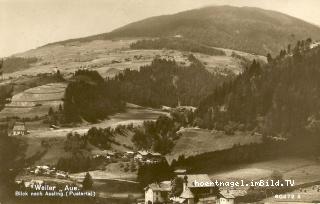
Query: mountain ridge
{"x":247,"y":29}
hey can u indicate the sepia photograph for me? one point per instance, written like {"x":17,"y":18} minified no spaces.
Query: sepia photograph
{"x":159,"y":101}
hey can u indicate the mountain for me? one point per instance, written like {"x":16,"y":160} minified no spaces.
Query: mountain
{"x":241,"y":28}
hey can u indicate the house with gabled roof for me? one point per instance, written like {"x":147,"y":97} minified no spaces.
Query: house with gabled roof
{"x":19,"y":129}
{"x":225,"y":198}
{"x":158,"y":192}
{"x":230,"y":196}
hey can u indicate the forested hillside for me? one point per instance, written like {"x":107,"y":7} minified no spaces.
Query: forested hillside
{"x":90,"y":97}
{"x":281,"y":99}
{"x":13,"y":64}
{"x":163,"y":82}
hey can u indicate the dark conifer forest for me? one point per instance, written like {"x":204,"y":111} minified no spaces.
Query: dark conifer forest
{"x":90,"y":97}
{"x":280,"y":99}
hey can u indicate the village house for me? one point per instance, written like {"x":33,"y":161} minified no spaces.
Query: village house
{"x":148,"y":157}
{"x":225,"y":198}
{"x":158,"y":192}
{"x":230,"y":196}
{"x":141,"y":155}
{"x":19,"y":130}
{"x":106,"y":154}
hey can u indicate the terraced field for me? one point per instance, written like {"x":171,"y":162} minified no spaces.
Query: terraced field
{"x":35,"y":101}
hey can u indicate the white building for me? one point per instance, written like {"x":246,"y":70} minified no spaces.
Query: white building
{"x":19,"y":129}
{"x":228,"y":196}
{"x":225,"y":198}
{"x":157,"y":192}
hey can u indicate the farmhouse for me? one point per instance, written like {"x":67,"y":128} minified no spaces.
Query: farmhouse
{"x":129,"y":154}
{"x":225,"y":198}
{"x":186,"y":108}
{"x":19,"y":129}
{"x":230,"y":196}
{"x":149,"y":157}
{"x":157,"y":192}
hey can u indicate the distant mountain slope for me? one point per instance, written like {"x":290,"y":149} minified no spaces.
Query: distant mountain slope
{"x":241,"y":28}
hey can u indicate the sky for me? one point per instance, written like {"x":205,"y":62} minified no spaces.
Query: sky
{"x":27,"y":24}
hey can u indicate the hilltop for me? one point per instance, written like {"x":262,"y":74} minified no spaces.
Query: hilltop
{"x":241,"y":28}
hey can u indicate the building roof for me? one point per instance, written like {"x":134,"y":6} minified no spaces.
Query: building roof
{"x":186,"y":194}
{"x":19,"y":128}
{"x":162,"y":186}
{"x":191,"y":178}
{"x":232,"y":193}
{"x":144,"y":153}
{"x":226,"y":195}
{"x":177,"y":199}
{"x":155,"y":154}
{"x":98,"y":152}
{"x":180,"y":171}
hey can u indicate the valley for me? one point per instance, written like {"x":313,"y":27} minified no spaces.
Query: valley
{"x":211,"y":98}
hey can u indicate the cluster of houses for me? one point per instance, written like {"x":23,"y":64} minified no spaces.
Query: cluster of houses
{"x":47,"y":171}
{"x":148,"y":157}
{"x":159,"y":193}
{"x":29,"y":184}
{"x":138,"y":156}
{"x":315,"y":44}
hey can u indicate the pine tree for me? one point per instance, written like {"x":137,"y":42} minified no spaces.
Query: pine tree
{"x":87,"y":182}
{"x":1,"y":70}
{"x":50,"y":112}
{"x":60,"y":108}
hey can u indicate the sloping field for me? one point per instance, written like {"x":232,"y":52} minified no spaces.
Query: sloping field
{"x":194,"y":141}
{"x":228,"y":63}
{"x":112,"y":171}
{"x":56,"y":138}
{"x":131,"y":116}
{"x":35,"y":101}
{"x":300,"y":169}
{"x":116,"y":55}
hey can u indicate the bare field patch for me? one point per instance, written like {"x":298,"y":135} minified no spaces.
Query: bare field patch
{"x":195,"y":141}
{"x":112,"y":172}
{"x":301,"y":170}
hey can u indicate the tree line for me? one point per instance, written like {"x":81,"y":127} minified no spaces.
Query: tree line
{"x":176,"y":44}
